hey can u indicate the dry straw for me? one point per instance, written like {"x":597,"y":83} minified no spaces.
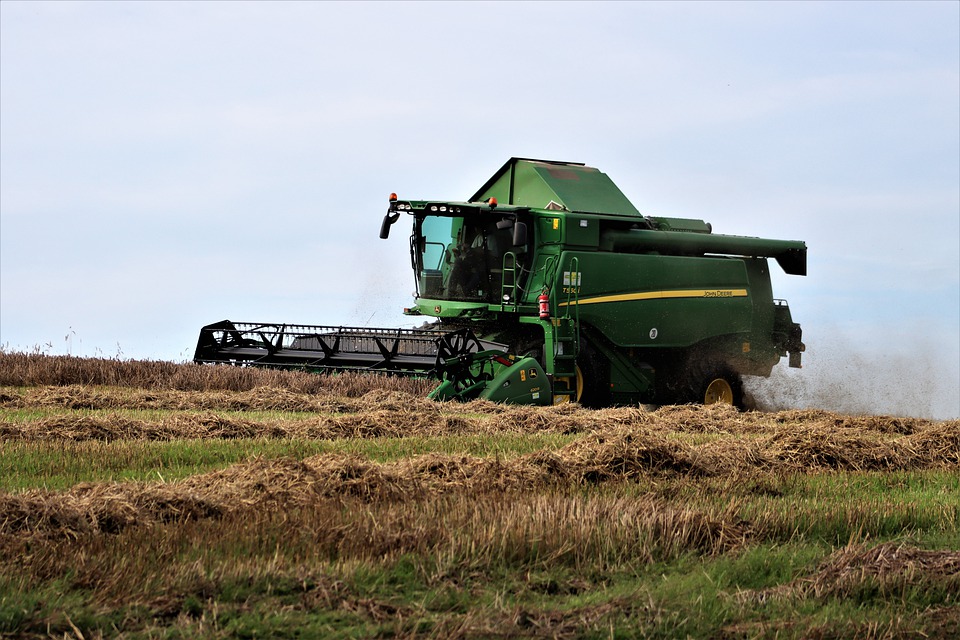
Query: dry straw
{"x":604,"y":455}
{"x":25,"y":369}
{"x":893,"y":568}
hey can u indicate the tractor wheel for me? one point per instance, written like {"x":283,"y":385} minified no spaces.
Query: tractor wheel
{"x":701,"y":381}
{"x":579,"y":384}
{"x":718,"y":391}
{"x":593,"y":378}
{"x":712,"y":383}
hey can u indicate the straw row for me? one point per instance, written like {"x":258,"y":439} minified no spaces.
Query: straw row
{"x":608,"y":455}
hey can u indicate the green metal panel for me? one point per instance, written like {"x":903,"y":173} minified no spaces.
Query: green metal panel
{"x":530,"y":190}
{"x":523,"y":383}
{"x":499,"y":188}
{"x":586,"y":189}
{"x":582,"y":231}
{"x":550,"y":230}
{"x":762,"y":290}
{"x":443,"y":308}
{"x":639,"y":300}
{"x":537,"y":183}
{"x":517,"y":183}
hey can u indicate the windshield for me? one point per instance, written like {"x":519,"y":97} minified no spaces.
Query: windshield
{"x":464,"y":258}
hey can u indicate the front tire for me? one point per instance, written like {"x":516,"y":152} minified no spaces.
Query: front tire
{"x":593,"y":378}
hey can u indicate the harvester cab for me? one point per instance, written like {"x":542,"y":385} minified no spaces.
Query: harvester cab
{"x":547,"y":285}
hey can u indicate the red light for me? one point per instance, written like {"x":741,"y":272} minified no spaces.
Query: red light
{"x":393,"y":197}
{"x":492,"y":202}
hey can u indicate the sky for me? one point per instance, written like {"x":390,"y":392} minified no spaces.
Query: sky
{"x":167,"y":165}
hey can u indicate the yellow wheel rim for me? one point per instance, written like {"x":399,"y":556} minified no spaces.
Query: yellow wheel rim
{"x":719,"y":391}
{"x":579,"y":383}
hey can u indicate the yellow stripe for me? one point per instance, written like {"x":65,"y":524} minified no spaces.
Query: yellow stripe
{"x":660,"y":295}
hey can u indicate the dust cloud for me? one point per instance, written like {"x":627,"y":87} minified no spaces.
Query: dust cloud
{"x":903,"y":376}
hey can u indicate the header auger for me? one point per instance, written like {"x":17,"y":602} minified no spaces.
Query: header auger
{"x":547,"y":286}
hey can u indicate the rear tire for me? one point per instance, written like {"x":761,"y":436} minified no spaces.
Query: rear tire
{"x":703,"y":381}
{"x":719,"y":390}
{"x":715,"y":383}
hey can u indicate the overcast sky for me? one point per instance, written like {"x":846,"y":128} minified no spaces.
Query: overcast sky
{"x":167,"y":165}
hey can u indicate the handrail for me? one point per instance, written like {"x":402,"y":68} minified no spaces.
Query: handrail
{"x":549,"y":272}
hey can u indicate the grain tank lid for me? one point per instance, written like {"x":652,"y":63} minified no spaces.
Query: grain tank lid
{"x":571,"y":185}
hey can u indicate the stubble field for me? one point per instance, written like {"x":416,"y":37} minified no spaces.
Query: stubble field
{"x":155,"y":500}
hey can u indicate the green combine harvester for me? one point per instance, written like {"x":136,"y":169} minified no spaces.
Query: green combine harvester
{"x":548,"y":286}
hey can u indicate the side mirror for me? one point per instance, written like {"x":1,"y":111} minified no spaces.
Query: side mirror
{"x":519,"y":234}
{"x":388,"y":220}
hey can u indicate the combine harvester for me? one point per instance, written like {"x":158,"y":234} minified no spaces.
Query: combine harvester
{"x":549,"y":286}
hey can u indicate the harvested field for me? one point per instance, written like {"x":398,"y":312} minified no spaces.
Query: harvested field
{"x":152,"y":499}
